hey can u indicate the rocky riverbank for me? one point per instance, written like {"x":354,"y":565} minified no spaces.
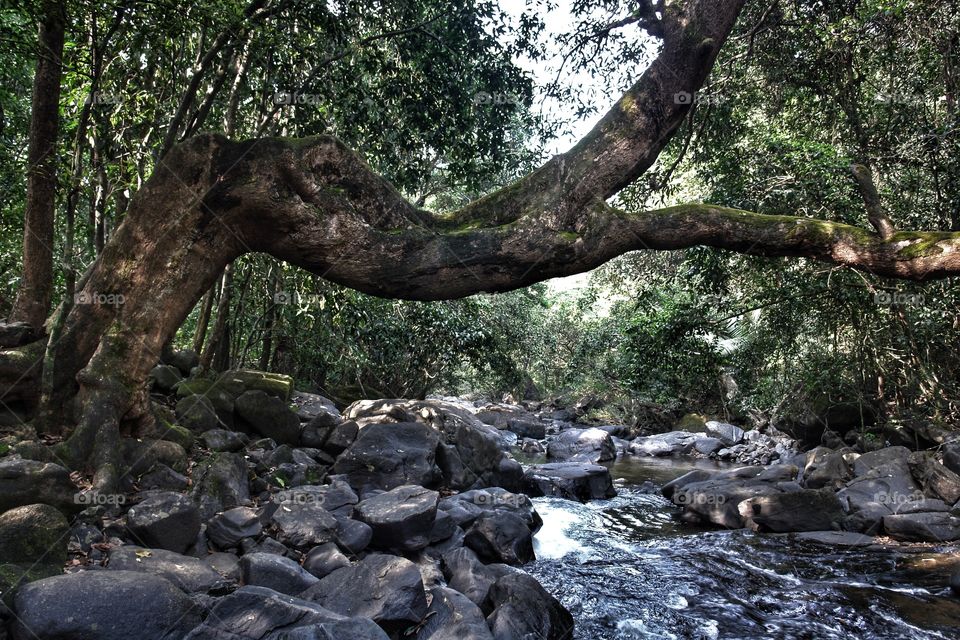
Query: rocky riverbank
{"x":256,"y":511}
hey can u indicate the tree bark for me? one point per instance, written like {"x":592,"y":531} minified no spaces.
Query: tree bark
{"x":317,"y":205}
{"x":33,"y":299}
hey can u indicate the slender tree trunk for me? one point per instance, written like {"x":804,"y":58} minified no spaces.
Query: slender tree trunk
{"x":203,"y":321}
{"x":270,"y":318}
{"x":214,"y":344}
{"x":32,"y":304}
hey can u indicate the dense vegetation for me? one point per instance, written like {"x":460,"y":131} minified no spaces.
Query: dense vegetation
{"x":432,"y":95}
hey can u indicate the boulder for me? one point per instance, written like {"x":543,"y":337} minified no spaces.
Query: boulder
{"x":163,"y":478}
{"x":340,"y":437}
{"x":165,"y":377}
{"x":197,"y":413}
{"x":223,"y":440}
{"x":467,"y":575}
{"x":522,"y":608}
{"x":24,"y":482}
{"x":142,"y":455}
{"x":385,"y":456}
{"x":275,"y":572}
{"x":277,"y":385}
{"x":501,"y":537}
{"x":220,"y":483}
{"x":673,"y":443}
{"x":336,"y":497}
{"x":452,"y":616}
{"x":324,"y":559}
{"x":106,"y":605}
{"x":227,"y":529}
{"x":164,"y":520}
{"x":183,"y":360}
{"x":33,"y":533}
{"x":729,"y":434}
{"x":824,"y":467}
{"x":935,"y":480}
{"x":303,"y":524}
{"x":571,"y":480}
{"x":951,"y":456}
{"x":310,"y":407}
{"x":187,"y":573}
{"x":582,"y":445}
{"x":349,"y":629}
{"x":259,"y":613}
{"x":805,"y":510}
{"x":923,"y":527}
{"x":269,"y":416}
{"x":401,"y":518}
{"x":353,"y":536}
{"x":387,"y":589}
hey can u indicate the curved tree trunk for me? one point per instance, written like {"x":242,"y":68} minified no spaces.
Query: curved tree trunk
{"x":316,"y":204}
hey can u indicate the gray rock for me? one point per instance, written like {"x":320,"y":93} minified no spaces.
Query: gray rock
{"x":951,"y":456}
{"x":301,"y":525}
{"x":165,"y":520}
{"x":730,"y":434}
{"x":353,"y":536}
{"x":223,"y":440}
{"x":923,"y":527}
{"x":571,"y":480}
{"x":837,"y":538}
{"x":310,"y":406}
{"x":275,"y":572}
{"x":184,"y":360}
{"x":582,"y":445}
{"x":142,"y":455}
{"x":387,"y":589}
{"x":163,"y":478}
{"x":880,"y":458}
{"x":385,"y":456}
{"x":523,"y":609}
{"x":708,"y":445}
{"x":324,"y":559}
{"x":936,"y":480}
{"x":227,"y":529}
{"x":824,"y":467}
{"x":336,"y":497}
{"x":269,"y":416}
{"x":673,"y":443}
{"x":24,"y":482}
{"x":165,"y":377}
{"x":452,"y":616}
{"x":501,"y":537}
{"x":258,"y":613}
{"x":349,"y":629}
{"x":341,"y":437}
{"x":401,"y":518}
{"x":197,"y":413}
{"x":33,"y":533}
{"x":220,"y":483}
{"x":466,"y":574}
{"x":187,"y":573}
{"x":62,"y":608}
{"x":805,"y":510}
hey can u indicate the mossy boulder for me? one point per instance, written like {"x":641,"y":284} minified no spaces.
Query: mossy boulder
{"x":197,"y":413}
{"x":274,"y":384}
{"x":33,"y":533}
{"x":175,"y":433}
{"x":24,"y":482}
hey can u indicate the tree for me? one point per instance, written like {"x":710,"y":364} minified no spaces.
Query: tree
{"x":36,"y":288}
{"x":316,"y":204}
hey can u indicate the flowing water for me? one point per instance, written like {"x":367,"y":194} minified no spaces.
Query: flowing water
{"x":626,"y":570}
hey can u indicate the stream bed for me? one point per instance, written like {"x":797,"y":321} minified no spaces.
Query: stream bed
{"x":625,"y":569}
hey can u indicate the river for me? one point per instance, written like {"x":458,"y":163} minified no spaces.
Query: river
{"x":627,"y":570}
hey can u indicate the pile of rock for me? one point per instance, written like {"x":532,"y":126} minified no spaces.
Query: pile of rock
{"x":908,"y":496}
{"x":261,"y":512}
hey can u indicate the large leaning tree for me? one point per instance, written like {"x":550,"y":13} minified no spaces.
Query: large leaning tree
{"x":316,"y":204}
